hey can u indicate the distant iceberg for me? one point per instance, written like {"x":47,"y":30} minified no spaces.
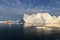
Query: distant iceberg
{"x":41,"y":19}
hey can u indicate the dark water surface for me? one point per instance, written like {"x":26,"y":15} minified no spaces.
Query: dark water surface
{"x":16,"y":32}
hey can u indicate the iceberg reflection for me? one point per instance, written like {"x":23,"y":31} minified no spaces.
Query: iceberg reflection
{"x":41,"y":29}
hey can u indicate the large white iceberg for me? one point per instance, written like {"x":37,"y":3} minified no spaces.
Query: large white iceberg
{"x":41,"y":19}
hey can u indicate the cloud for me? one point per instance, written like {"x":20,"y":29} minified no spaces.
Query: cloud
{"x":11,"y":12}
{"x":16,"y":8}
{"x":38,"y":9}
{"x":11,"y":3}
{"x":54,"y":2}
{"x":17,"y":1}
{"x":51,"y":10}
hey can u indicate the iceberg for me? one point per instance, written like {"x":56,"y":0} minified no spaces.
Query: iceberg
{"x":33,"y":19}
{"x":41,"y":19}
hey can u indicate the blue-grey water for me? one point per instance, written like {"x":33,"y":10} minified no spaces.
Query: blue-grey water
{"x":16,"y":32}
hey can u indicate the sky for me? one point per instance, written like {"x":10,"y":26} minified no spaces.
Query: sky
{"x":15,"y":9}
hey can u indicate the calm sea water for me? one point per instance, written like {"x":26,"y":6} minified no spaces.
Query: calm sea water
{"x":14,"y":32}
{"x":17,"y":32}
